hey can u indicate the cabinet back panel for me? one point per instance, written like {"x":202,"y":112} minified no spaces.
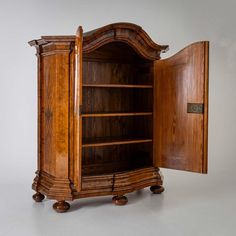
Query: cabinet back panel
{"x":116,"y":73}
{"x":112,"y":159}
{"x":101,"y":127}
{"x":116,"y":63}
{"x":102,"y":100}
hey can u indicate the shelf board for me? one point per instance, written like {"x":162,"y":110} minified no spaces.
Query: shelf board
{"x":98,"y":142}
{"x":117,"y":114}
{"x":118,"y":85}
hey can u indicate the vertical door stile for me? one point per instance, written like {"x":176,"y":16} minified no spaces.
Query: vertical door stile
{"x":206,"y":98}
{"x":77,"y":112}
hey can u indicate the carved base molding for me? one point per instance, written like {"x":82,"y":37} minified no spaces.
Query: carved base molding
{"x":52,"y":187}
{"x":111,"y":184}
{"x":120,"y":183}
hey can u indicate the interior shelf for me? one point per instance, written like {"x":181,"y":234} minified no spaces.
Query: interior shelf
{"x":117,"y":86}
{"x":117,"y":114}
{"x":96,"y":142}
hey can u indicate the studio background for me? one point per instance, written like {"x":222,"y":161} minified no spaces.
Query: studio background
{"x":192,"y":204}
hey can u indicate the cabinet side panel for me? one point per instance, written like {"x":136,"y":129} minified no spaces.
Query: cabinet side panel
{"x":48,"y":108}
{"x":55,"y":113}
{"x":62,"y":114}
{"x":40,"y":110}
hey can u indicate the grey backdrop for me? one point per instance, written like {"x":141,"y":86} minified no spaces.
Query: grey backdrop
{"x":177,"y":23}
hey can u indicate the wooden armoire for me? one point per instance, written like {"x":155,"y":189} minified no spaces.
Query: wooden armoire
{"x":111,"y":113}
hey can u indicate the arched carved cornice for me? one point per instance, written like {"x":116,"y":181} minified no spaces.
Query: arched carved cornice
{"x":128,"y":33}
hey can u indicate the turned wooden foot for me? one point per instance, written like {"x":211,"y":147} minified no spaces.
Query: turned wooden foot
{"x":38,"y":197}
{"x":61,"y":206}
{"x":157,"y":189}
{"x":119,"y":200}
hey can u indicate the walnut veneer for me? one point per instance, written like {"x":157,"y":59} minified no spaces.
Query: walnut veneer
{"x":111,"y":113}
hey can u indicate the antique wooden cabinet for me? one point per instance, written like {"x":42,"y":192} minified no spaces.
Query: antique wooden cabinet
{"x":111,"y":113}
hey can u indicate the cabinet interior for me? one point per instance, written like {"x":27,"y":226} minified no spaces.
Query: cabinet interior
{"x":117,"y":110}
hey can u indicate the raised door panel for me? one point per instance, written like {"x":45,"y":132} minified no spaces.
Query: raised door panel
{"x":181,"y":110}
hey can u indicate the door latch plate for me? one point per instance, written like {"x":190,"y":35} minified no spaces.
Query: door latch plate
{"x":197,"y":108}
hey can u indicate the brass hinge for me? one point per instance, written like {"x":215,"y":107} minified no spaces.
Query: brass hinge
{"x":197,"y":108}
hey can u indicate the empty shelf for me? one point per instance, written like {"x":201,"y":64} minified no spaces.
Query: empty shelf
{"x":112,"y":141}
{"x":117,"y":114}
{"x":118,"y":85}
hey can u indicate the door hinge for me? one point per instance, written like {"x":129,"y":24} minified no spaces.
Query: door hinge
{"x":197,"y":108}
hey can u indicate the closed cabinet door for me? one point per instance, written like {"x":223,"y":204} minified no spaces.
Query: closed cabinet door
{"x":181,"y":109}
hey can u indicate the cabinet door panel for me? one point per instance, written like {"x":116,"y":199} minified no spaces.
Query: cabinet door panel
{"x":181,"y":109}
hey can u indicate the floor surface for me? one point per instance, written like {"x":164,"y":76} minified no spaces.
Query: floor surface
{"x":192,"y":205}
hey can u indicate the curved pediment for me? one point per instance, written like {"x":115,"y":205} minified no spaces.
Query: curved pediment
{"x":128,"y":33}
{"x":131,"y":34}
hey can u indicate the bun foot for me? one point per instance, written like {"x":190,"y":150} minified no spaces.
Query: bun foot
{"x":157,"y":189}
{"x":61,"y":206}
{"x":119,"y":200}
{"x":38,"y":197}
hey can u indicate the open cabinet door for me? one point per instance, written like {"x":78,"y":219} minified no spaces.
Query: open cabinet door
{"x":181,"y":109}
{"x":77,"y":120}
